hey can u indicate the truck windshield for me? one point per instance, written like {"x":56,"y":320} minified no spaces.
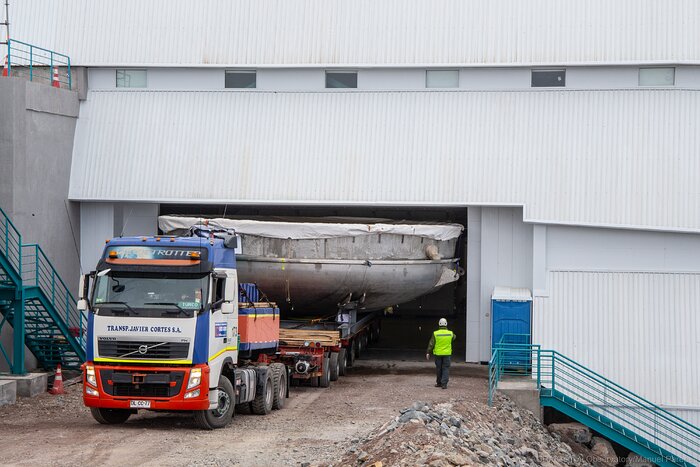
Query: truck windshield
{"x":150,"y":295}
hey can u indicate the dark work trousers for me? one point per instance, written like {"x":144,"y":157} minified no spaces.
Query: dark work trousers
{"x":442,"y":363}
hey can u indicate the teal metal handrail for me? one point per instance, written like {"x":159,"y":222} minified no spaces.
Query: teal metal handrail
{"x":40,"y":272}
{"x":38,"y":64}
{"x":11,"y":243}
{"x":11,"y":263}
{"x":671,"y":439}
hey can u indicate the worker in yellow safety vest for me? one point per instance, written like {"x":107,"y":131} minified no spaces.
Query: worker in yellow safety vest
{"x":441,"y":346}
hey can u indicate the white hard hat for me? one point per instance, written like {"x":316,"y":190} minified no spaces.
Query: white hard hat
{"x":442,"y":322}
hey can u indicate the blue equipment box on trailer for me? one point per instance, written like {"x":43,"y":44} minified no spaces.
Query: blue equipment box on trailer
{"x":248,"y":293}
{"x":511,"y":318}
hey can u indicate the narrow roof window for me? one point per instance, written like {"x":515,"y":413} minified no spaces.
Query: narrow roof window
{"x":341,"y":79}
{"x":442,"y":79}
{"x":130,"y":78}
{"x":657,"y":76}
{"x":241,"y":79}
{"x":548,"y":78}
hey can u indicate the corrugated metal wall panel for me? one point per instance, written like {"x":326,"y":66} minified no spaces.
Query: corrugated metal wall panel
{"x":638,"y":329}
{"x":257,"y":32}
{"x":626,"y":158}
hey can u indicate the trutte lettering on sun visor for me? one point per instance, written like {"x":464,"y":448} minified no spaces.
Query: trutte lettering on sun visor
{"x":152,"y":253}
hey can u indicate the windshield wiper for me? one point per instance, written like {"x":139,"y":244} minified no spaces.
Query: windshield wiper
{"x":126,"y":305}
{"x":179,"y":308}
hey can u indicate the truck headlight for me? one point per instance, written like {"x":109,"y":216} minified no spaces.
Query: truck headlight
{"x":195,"y":378}
{"x":90,"y":375}
{"x":91,"y":392}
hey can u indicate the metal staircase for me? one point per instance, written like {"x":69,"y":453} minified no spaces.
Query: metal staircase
{"x":599,"y":403}
{"x":35,"y":301}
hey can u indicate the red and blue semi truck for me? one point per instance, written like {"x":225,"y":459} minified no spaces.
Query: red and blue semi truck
{"x":170,"y":329}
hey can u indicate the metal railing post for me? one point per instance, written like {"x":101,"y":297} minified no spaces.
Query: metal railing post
{"x":53,"y":287}
{"x":51,"y":70}
{"x":539,"y":366}
{"x":7,"y":238}
{"x":9,"y":59}
{"x":70,"y":76}
{"x":31,"y":63}
{"x":36,"y":265}
{"x":18,"y":313}
{"x":67,"y":309}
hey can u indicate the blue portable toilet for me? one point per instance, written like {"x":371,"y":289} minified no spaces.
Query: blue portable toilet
{"x":511,"y":314}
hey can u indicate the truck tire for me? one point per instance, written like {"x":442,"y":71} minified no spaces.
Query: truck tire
{"x":262,"y":404}
{"x":244,"y":408}
{"x":324,"y":380}
{"x":110,"y":416}
{"x":334,"y":366}
{"x":223,"y":413}
{"x":279,"y":381}
{"x":343,"y":362}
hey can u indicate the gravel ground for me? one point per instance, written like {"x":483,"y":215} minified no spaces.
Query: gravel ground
{"x":317,"y":426}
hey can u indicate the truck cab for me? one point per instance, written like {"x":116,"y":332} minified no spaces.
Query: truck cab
{"x":163,"y":333}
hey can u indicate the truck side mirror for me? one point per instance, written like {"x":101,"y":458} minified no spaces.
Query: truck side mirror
{"x":82,"y":286}
{"x":227,"y":308}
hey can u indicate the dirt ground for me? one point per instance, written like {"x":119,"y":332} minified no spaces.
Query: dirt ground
{"x":316,"y":426}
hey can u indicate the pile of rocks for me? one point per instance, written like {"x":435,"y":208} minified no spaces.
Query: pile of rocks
{"x":599,"y":450}
{"x":462,"y":432}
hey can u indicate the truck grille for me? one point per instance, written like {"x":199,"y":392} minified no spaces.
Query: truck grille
{"x":165,"y":351}
{"x":132,"y":383}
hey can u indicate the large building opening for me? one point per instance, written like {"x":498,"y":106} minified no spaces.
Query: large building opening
{"x":406,"y":327}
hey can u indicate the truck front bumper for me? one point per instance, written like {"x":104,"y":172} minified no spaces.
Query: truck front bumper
{"x":165,"y":388}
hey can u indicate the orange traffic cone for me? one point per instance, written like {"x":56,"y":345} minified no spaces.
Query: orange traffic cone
{"x":58,"y":382}
{"x":4,"y":67}
{"x":54,"y":82}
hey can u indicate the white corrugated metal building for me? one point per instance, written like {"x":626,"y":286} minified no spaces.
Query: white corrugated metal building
{"x":587,"y":194}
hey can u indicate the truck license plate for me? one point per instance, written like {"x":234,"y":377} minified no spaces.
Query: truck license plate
{"x":140,"y":404}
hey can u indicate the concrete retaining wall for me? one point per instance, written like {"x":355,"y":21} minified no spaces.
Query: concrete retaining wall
{"x":37,"y":125}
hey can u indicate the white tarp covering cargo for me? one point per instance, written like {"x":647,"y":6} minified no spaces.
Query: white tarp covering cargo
{"x":310,"y":230}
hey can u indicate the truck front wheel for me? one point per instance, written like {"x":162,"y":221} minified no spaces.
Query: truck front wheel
{"x":223,"y":413}
{"x":110,"y":416}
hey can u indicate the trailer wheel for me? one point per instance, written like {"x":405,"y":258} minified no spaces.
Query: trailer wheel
{"x":223,"y":413}
{"x":262,"y":404}
{"x":352,"y":353}
{"x":279,"y":380}
{"x":110,"y":416}
{"x":325,"y":379}
{"x":244,"y":408}
{"x":343,"y":362}
{"x":334,"y":366}
{"x":359,"y":347}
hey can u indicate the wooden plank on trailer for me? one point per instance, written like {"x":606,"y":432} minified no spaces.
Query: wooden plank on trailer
{"x":299,"y":336}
